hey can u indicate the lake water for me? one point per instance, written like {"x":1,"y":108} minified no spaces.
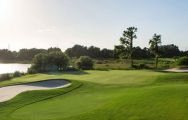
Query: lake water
{"x":12,"y":67}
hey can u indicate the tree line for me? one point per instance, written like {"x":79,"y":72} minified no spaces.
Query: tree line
{"x":166,"y":51}
{"x":23,"y":54}
{"x":125,"y":50}
{"x":54,"y":59}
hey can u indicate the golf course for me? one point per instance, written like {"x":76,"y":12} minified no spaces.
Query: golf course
{"x":93,"y":60}
{"x":102,"y":95}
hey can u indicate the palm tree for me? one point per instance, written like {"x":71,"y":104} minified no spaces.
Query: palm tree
{"x":154,"y":47}
{"x":127,"y":41}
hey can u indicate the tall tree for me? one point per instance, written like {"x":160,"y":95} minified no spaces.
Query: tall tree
{"x":154,"y":47}
{"x":127,"y":41}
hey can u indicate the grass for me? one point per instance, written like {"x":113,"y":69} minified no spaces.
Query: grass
{"x":125,"y":64}
{"x":103,"y":95}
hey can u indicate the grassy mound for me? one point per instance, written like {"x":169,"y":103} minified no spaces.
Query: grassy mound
{"x":103,"y":95}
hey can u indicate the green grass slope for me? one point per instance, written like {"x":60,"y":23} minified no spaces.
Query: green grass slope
{"x":103,"y":95}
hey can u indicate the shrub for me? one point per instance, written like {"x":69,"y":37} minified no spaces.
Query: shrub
{"x":32,"y":70}
{"x":5,"y":76}
{"x":71,"y":68}
{"x":17,"y":74}
{"x":40,"y":62}
{"x":182,"y":61}
{"x":142,"y":65}
{"x":99,"y":62}
{"x":59,"y":60}
{"x":8,"y":76}
{"x":46,"y":62}
{"x":106,"y":61}
{"x":85,"y":63}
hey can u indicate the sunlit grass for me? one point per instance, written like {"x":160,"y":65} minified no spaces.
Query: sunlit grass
{"x":104,"y":95}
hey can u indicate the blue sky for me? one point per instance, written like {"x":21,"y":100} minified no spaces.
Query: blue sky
{"x":63,"y":23}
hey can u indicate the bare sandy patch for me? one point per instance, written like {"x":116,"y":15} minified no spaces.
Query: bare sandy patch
{"x":179,"y":70}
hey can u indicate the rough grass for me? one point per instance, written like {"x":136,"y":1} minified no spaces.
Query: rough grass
{"x":103,"y":95}
{"x":125,"y":64}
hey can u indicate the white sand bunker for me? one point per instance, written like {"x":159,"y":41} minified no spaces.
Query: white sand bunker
{"x":177,"y":70}
{"x":7,"y":93}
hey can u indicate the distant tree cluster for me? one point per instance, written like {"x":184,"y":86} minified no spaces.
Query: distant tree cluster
{"x":170,"y":51}
{"x":92,"y":51}
{"x":23,"y":54}
{"x":120,"y":51}
{"x":7,"y":55}
{"x":125,"y":50}
{"x":53,"y":59}
{"x":166,"y":51}
{"x":138,"y":53}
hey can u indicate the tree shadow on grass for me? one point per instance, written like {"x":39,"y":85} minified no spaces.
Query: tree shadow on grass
{"x":75,"y":72}
{"x":103,"y":69}
{"x":78,"y":72}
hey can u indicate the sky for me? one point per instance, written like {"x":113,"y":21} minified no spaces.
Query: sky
{"x":63,"y":23}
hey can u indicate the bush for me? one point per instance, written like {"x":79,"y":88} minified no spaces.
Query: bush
{"x":32,"y":70}
{"x":17,"y":74}
{"x":8,"y":76}
{"x":85,"y":63}
{"x":142,"y":65}
{"x":71,"y":68}
{"x":183,"y":61}
{"x":59,"y":60}
{"x":46,"y":62}
{"x":5,"y":76}
{"x":99,"y":62}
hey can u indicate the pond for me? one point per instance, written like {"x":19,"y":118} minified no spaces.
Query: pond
{"x":12,"y":67}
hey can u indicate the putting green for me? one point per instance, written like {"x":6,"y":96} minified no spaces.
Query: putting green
{"x":103,"y":95}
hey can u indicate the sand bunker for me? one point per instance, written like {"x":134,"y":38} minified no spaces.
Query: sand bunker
{"x":7,"y":93}
{"x":177,"y":70}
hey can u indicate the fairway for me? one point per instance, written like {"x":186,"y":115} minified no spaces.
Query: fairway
{"x":102,"y":95}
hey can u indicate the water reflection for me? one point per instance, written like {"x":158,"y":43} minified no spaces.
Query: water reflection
{"x":12,"y":67}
